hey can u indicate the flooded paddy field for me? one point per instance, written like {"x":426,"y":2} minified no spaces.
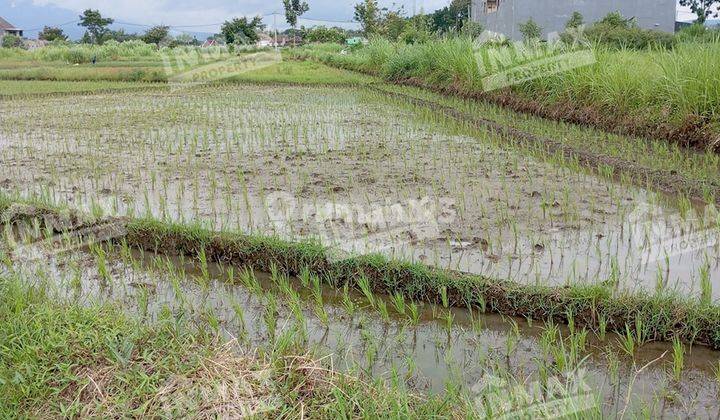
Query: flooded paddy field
{"x":426,"y":348}
{"x":361,"y":174}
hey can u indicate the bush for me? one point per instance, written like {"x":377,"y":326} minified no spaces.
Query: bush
{"x":408,"y":63}
{"x":413,"y":35}
{"x":12,"y":41}
{"x":530,"y":30}
{"x":575,"y":21}
{"x":618,"y":32}
{"x":324,"y":34}
{"x":631,"y":38}
{"x":471,"y":29}
{"x":698,"y":33}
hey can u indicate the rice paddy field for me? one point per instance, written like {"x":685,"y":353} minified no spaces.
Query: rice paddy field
{"x":307,"y":241}
{"x":669,"y":94}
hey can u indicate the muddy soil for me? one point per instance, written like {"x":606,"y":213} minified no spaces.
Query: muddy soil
{"x":427,"y":356}
{"x":357,"y":172}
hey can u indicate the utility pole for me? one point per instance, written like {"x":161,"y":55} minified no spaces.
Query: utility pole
{"x":275,"y":27}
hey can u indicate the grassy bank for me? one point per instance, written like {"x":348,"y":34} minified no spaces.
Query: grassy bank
{"x":652,"y":164}
{"x":63,"y":360}
{"x":66,"y":72}
{"x":643,"y":317}
{"x":15,"y":76}
{"x":301,"y":73}
{"x":657,"y":93}
{"x":659,"y":317}
{"x":17,"y":88}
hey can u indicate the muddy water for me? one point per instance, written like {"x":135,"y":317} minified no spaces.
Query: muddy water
{"x":360,"y":174}
{"x":427,"y":356}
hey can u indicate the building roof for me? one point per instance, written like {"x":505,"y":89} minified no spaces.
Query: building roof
{"x":5,"y":25}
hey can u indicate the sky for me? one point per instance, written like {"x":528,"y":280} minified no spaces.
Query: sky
{"x":191,"y":15}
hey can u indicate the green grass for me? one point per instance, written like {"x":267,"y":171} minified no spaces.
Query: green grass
{"x":41,"y":87}
{"x":699,"y":169}
{"x":84,"y":53}
{"x":662,"y":316}
{"x":64,"y":360}
{"x":287,"y":72}
{"x":671,"y":94}
{"x":301,"y":72}
{"x":64,"y":72}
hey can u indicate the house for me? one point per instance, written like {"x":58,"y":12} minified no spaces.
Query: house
{"x":264,"y":40}
{"x":287,"y":40}
{"x":6,"y":28}
{"x":209,"y":43}
{"x":356,"y":40}
{"x":506,"y":16}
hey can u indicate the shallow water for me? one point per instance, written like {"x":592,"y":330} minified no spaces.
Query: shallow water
{"x":360,"y":174}
{"x":427,"y":356}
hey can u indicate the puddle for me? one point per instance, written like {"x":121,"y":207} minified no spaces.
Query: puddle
{"x":360,"y":174}
{"x":427,"y":355}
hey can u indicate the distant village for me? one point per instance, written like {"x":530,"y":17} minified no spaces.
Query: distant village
{"x":248,"y":32}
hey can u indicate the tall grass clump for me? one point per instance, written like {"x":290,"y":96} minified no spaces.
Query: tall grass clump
{"x":657,"y":91}
{"x":84,"y":53}
{"x":62,"y":359}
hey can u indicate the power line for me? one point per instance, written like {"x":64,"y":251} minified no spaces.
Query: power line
{"x":58,"y":25}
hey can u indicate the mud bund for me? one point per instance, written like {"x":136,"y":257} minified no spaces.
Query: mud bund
{"x":667,"y":181}
{"x":663,"y":317}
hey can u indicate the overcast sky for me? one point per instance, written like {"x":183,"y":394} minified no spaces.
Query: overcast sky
{"x":193,"y":15}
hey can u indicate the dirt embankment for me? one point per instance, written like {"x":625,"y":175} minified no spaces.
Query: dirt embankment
{"x":694,"y":132}
{"x":663,"y":180}
{"x":662,"y":317}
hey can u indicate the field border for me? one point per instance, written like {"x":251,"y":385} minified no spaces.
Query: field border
{"x":693,"y":134}
{"x":105,"y":91}
{"x":661,"y":180}
{"x":661,"y":317}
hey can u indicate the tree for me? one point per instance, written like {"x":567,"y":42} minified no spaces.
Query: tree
{"x":156,"y":35}
{"x":575,"y":21}
{"x":324,"y":34}
{"x":293,"y":10}
{"x":120,"y":36}
{"x":369,"y":15}
{"x":617,"y":20}
{"x":242,"y":31}
{"x":51,"y":33}
{"x":452,"y":17}
{"x":394,"y":23}
{"x":95,"y":24}
{"x":703,"y":8}
{"x":530,"y":30}
{"x":185,"y":39}
{"x":574,"y":30}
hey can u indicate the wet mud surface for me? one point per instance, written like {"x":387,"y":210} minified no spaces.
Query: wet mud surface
{"x":359,"y":173}
{"x":429,"y":351}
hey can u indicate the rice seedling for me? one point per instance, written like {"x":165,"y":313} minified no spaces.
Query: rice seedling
{"x":270,"y":315}
{"x":627,"y":342}
{"x":678,"y":361}
{"x":413,"y":313}
{"x":381,"y":307}
{"x":101,"y":263}
{"x":398,"y":301}
{"x":364,"y":285}
{"x":705,"y":284}
{"x":372,"y":183}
